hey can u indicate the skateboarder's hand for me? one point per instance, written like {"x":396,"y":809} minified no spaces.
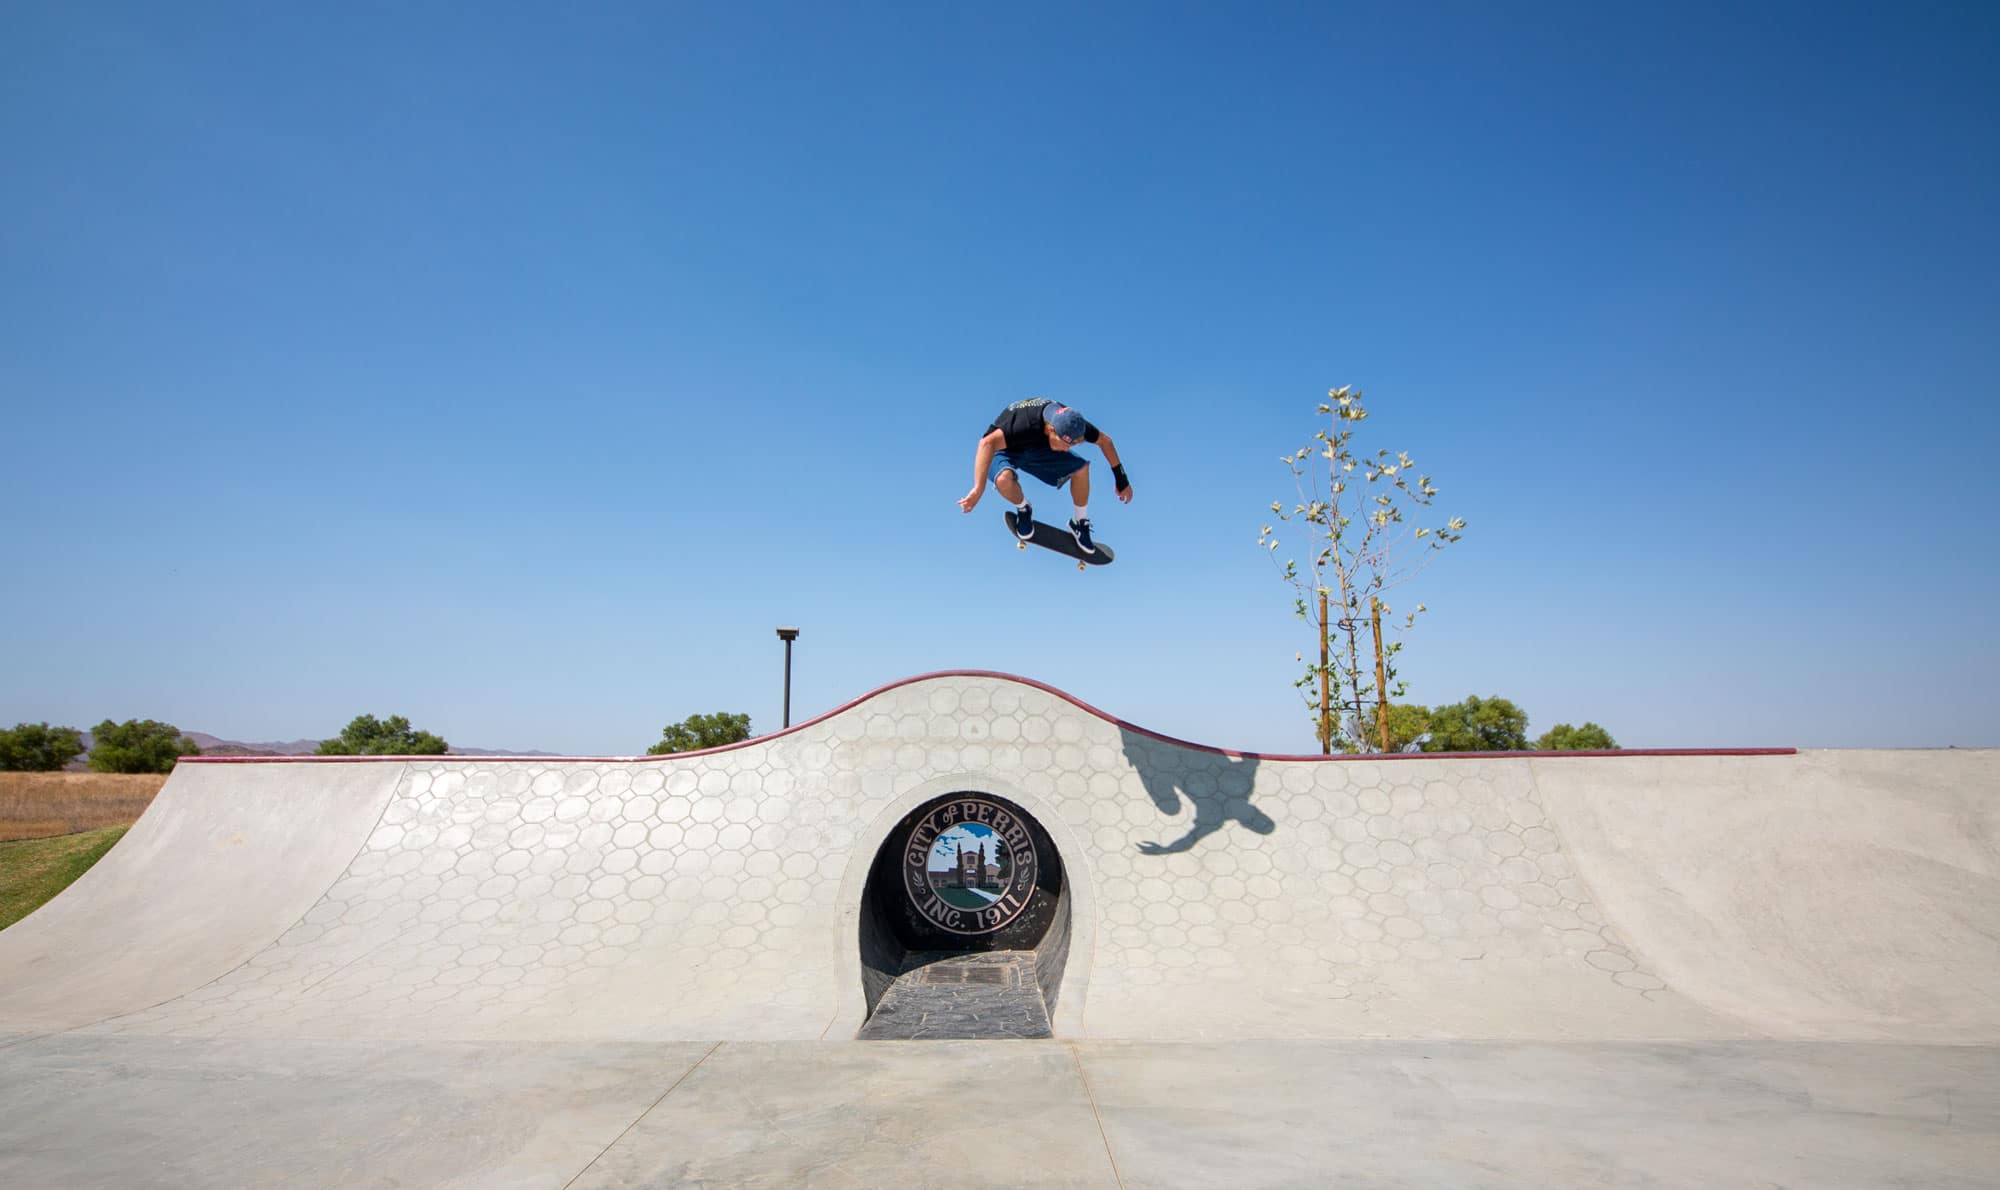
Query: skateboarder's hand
{"x":1125,"y":494}
{"x":970,"y":500}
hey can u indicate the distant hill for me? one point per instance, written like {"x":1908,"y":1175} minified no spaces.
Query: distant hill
{"x":217,"y":746}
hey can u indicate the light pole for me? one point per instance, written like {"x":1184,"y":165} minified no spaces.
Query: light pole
{"x":788,"y":635}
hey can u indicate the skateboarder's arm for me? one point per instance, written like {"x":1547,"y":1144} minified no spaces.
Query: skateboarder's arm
{"x":982,"y":459}
{"x":1110,"y":450}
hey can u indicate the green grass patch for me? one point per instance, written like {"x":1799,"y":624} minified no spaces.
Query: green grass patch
{"x":961,"y":899}
{"x":32,"y":871}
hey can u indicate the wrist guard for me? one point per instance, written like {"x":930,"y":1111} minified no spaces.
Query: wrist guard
{"x":1118,"y":477}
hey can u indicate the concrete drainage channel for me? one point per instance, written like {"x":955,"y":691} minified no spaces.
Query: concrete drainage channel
{"x":965,"y":924}
{"x":989,"y":996}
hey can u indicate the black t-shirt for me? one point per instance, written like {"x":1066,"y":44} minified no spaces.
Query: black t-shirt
{"x":1025,"y":424}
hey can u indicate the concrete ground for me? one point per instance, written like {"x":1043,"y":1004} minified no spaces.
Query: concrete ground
{"x":132,"y":1112}
{"x":1719,"y":969}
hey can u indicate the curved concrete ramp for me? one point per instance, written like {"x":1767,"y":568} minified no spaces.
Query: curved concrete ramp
{"x":1216,"y":895}
{"x":224,"y":861}
{"x":1849,"y":895}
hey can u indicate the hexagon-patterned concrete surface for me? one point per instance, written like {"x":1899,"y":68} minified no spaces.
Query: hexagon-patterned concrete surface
{"x":1216,"y":895}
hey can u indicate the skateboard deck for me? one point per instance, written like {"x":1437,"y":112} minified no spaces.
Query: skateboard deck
{"x":1051,"y":538}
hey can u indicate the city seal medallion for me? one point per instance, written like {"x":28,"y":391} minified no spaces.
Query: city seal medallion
{"x":969,"y":865}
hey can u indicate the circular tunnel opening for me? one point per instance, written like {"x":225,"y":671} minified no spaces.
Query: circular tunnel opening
{"x":964,"y":923}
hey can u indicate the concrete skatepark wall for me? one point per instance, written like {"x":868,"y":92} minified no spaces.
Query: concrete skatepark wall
{"x":1211,"y":895}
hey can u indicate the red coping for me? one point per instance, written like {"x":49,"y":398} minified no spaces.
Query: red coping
{"x":1122,"y":725}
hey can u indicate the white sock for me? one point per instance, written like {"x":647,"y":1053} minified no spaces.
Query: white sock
{"x":1082,"y":513}
{"x":1021,"y":507}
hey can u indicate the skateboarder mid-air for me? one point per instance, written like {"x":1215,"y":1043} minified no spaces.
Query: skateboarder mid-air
{"x":1035,"y":437}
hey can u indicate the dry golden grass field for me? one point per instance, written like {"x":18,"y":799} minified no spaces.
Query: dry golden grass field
{"x":38,"y":805}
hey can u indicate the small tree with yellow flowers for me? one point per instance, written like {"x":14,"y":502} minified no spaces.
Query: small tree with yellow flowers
{"x":1358,"y":515}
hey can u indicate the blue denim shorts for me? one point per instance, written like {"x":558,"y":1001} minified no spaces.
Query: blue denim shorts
{"x":1052,"y":467}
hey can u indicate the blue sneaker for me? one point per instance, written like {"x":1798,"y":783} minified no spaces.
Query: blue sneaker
{"x":1024,"y":522}
{"x":1081,"y":531}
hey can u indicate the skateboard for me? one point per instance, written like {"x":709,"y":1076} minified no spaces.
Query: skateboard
{"x":1051,"y":538}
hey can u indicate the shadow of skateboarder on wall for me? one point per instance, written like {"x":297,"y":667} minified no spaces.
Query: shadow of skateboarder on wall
{"x":1217,"y":788}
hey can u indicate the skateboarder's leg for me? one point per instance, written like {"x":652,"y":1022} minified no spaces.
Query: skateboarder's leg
{"x":1009,"y":486}
{"x":1079,"y":494}
{"x":1010,"y":491}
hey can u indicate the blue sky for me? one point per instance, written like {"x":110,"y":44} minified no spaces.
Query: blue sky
{"x":518,"y":370}
{"x":944,"y":852}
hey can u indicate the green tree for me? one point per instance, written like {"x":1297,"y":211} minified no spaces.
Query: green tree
{"x":38,"y":748}
{"x":1564,"y":738}
{"x":138,"y":746}
{"x":1478,"y":725}
{"x":1359,"y":532}
{"x":1407,"y":723}
{"x":365,"y":735}
{"x":696,"y":732}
